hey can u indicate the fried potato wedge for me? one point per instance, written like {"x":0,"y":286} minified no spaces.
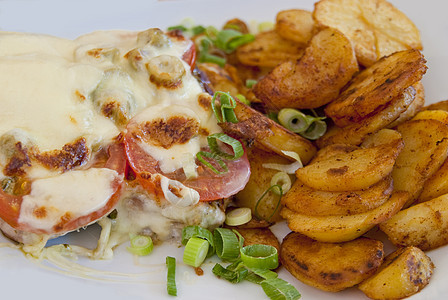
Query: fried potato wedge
{"x":375,"y":27}
{"x":439,"y":115}
{"x":295,"y":25}
{"x":376,"y":86}
{"x":333,"y":150}
{"x":415,"y":107}
{"x":351,"y":171}
{"x":425,"y":150}
{"x":260,"y":181}
{"x":219,"y":79}
{"x":308,"y":201}
{"x":264,"y":236}
{"x":267,"y":134}
{"x":327,"y":266}
{"x":441,"y":105}
{"x":356,"y":133}
{"x":269,"y":49}
{"x":424,"y":225}
{"x":436,"y":185}
{"x":335,"y":229}
{"x":402,"y":274}
{"x":315,"y":79}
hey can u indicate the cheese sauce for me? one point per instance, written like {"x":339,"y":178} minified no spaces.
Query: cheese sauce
{"x":56,"y":91}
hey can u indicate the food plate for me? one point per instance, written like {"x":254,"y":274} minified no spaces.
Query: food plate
{"x":144,"y":278}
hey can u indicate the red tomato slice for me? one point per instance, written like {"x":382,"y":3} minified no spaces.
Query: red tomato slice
{"x":10,"y":205}
{"x":189,"y":55}
{"x":209,"y":185}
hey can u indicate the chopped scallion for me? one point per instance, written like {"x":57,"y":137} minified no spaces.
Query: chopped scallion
{"x":250,"y":83}
{"x":141,"y":245}
{"x":171,"y":276}
{"x":315,"y":130}
{"x":259,"y":256}
{"x":243,"y":99}
{"x":278,"y":192}
{"x":238,"y":216}
{"x":237,"y":147}
{"x":279,"y":289}
{"x":197,"y":231}
{"x":227,"y":106}
{"x":226,"y":244}
{"x":282,"y":179}
{"x":294,"y":120}
{"x":195,"y":251}
{"x":233,"y":276}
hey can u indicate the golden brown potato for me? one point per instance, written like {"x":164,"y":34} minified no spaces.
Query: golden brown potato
{"x":375,"y":27}
{"x":267,"y":134}
{"x":315,"y":79}
{"x":307,"y":201}
{"x":296,"y":25}
{"x":219,"y":79}
{"x":343,"y":228}
{"x":356,"y":133}
{"x":425,"y":150}
{"x":327,"y":266}
{"x":402,"y":274}
{"x":424,"y":225}
{"x":441,"y":105}
{"x":351,"y":171}
{"x":439,"y":115}
{"x":259,"y":182}
{"x":414,"y":107}
{"x":264,"y":236}
{"x":376,"y":86}
{"x":333,"y":150}
{"x":436,"y":185}
{"x":269,"y":49}
{"x":236,"y":24}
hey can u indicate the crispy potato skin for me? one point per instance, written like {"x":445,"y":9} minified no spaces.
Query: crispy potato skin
{"x":375,"y":27}
{"x":424,"y":225}
{"x":327,"y":266}
{"x":308,"y":201}
{"x":376,"y":86}
{"x":313,"y":80}
{"x":264,"y":236}
{"x":403,"y":273}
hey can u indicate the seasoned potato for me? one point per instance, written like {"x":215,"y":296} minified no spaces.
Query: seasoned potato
{"x":441,"y":105}
{"x":296,"y":25}
{"x":314,"y":80}
{"x":425,"y":150}
{"x":436,"y":185}
{"x":308,"y":201}
{"x":327,"y":266}
{"x":414,"y":107}
{"x":219,"y":79}
{"x":356,"y":133}
{"x":264,"y":236}
{"x":375,"y":27}
{"x":269,"y":49}
{"x":259,"y":182}
{"x":343,"y":228}
{"x":351,"y":171}
{"x":267,"y":134}
{"x":439,"y":115}
{"x":424,"y":225}
{"x":376,"y":86}
{"x":402,"y":274}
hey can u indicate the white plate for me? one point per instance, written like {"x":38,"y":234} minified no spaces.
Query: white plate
{"x":22,"y":279}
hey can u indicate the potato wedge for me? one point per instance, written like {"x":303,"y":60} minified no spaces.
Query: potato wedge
{"x":333,"y":150}
{"x":259,"y":182}
{"x":327,"y":266}
{"x":335,"y":229}
{"x":439,"y":115}
{"x":295,"y":25}
{"x":352,"y":171}
{"x":308,"y":201}
{"x":356,"y":133}
{"x":441,"y":105}
{"x":376,"y":86}
{"x":315,"y":79}
{"x":403,"y":273}
{"x":425,"y":150}
{"x":415,"y":107}
{"x":264,"y":236}
{"x":436,"y":185}
{"x":267,"y":134}
{"x":424,"y":225}
{"x":219,"y":79}
{"x":375,"y":27}
{"x":269,"y":50}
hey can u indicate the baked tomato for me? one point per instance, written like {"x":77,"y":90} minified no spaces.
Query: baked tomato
{"x":11,"y":206}
{"x":209,"y":185}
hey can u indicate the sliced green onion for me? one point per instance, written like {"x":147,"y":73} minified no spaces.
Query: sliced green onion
{"x":265,"y":26}
{"x":210,"y":58}
{"x":195,"y":251}
{"x":294,"y":120}
{"x":236,"y":145}
{"x":259,"y":275}
{"x":279,"y":192}
{"x":197,"y":30}
{"x":239,"y":41}
{"x":315,"y":130}
{"x":229,"y":39}
{"x":200,"y":156}
{"x":141,"y":245}
{"x":211,"y":32}
{"x":177,"y":27}
{"x":197,"y":231}
{"x":259,"y":256}
{"x":171,"y":276}
{"x":234,"y":276}
{"x":243,"y":99}
{"x":282,"y":179}
{"x":227,"y":104}
{"x":278,"y":289}
{"x":226,"y":244}
{"x":250,"y":83}
{"x":238,"y":216}
{"x":240,"y":238}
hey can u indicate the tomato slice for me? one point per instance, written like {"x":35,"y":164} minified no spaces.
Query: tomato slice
{"x":10,"y":205}
{"x":209,"y":185}
{"x":189,"y":55}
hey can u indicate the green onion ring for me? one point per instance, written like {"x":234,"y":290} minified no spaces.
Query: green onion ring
{"x":316,"y":129}
{"x":280,"y":193}
{"x":279,"y":289}
{"x":294,"y":120}
{"x":171,"y":276}
{"x":236,"y":145}
{"x":227,"y":104}
{"x":259,"y":256}
{"x":197,"y":231}
{"x":195,"y":251}
{"x":226,"y":244}
{"x":141,"y":245}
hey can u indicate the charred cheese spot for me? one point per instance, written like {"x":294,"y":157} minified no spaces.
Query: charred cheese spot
{"x":80,"y":96}
{"x":40,"y":212}
{"x":17,"y":162}
{"x":63,"y":220}
{"x":72,"y":155}
{"x":166,"y":133}
{"x":205,"y":101}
